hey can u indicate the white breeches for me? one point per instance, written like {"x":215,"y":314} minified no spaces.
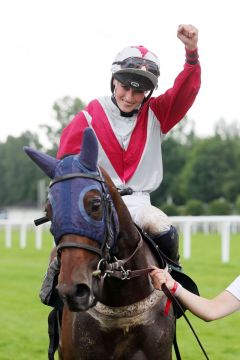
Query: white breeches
{"x":146,"y":216}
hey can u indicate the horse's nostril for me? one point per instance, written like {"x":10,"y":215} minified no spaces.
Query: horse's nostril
{"x":82,"y":290}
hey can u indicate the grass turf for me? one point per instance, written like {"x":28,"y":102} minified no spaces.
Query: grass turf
{"x":23,"y":319}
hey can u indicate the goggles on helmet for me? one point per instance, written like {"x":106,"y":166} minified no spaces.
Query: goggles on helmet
{"x":137,"y":82}
{"x":139,"y":63}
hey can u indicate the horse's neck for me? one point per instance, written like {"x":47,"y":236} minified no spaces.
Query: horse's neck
{"x":129,"y":236}
{"x":130,"y":241}
{"x":135,"y":252}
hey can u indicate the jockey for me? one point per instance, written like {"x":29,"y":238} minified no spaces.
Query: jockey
{"x":130,"y":126}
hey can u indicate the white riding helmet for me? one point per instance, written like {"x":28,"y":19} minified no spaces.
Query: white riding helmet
{"x":137,"y":67}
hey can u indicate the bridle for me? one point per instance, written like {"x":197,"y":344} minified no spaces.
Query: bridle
{"x":58,"y":179}
{"x":108,"y":265}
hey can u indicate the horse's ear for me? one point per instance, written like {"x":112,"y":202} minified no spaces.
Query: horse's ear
{"x":89,"y":150}
{"x":46,"y":162}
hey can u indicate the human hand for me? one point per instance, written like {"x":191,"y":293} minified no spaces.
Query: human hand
{"x":188,"y":34}
{"x":160,"y":277}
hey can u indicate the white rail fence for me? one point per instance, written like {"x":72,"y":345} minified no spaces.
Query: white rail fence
{"x":224,"y":225}
{"x":22,"y":226}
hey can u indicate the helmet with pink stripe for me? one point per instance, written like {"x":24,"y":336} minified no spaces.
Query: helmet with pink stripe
{"x":137,"y":67}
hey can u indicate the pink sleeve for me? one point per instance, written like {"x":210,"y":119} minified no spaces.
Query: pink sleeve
{"x":173,"y":105}
{"x":71,"y":137}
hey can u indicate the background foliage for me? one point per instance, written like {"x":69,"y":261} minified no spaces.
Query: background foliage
{"x":201,"y":175}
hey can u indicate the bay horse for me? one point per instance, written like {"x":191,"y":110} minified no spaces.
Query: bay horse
{"x":111,"y":310}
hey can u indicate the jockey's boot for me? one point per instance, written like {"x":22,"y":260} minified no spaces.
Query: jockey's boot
{"x":168,"y":243}
{"x":48,"y":294}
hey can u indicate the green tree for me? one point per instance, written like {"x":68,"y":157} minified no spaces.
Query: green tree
{"x":64,"y":110}
{"x":175,"y":150}
{"x":219,"y":207}
{"x":194,"y":207}
{"x":212,"y":170}
{"x":237,"y":205}
{"x":174,"y":159}
{"x":227,"y":131}
{"x":169,"y":209}
{"x":18,"y":175}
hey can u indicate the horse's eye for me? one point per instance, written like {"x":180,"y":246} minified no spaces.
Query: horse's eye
{"x":95,"y":204}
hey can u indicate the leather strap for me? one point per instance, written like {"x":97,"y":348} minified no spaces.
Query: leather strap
{"x":173,"y":298}
{"x":76,"y":175}
{"x":78,"y":246}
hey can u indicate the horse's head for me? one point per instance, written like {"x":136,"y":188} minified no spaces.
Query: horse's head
{"x":83,"y":219}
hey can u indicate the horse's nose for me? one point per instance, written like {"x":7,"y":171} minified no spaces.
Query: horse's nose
{"x":65,"y":290}
{"x":82,"y":291}
{"x":78,"y":297}
{"x":79,"y":290}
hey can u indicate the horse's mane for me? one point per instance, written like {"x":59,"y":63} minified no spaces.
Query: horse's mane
{"x":124,"y":217}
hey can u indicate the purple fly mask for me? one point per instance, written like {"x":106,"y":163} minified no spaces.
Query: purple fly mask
{"x":72,"y":178}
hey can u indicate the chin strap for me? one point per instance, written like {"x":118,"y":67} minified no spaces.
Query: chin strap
{"x":147,"y":97}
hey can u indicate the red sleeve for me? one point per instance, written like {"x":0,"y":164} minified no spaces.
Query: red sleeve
{"x":173,"y":105}
{"x":71,"y":138}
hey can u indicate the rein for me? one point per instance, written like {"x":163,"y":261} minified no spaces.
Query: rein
{"x":116,"y":269}
{"x":173,"y":298}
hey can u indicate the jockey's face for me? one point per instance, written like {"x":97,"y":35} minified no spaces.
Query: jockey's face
{"x":126,"y":97}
